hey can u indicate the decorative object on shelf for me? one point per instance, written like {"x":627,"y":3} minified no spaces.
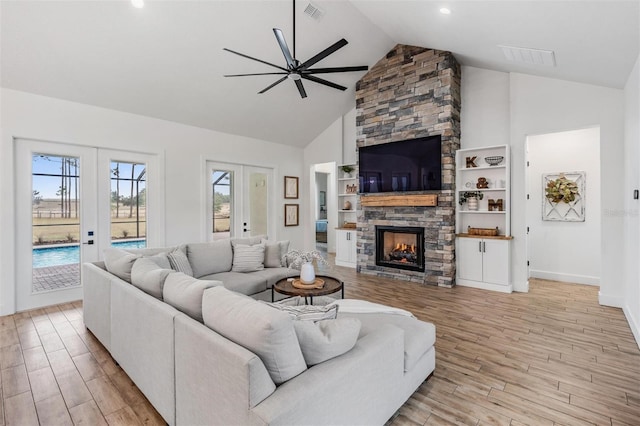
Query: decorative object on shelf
{"x":291,"y":212}
{"x":464,"y":196}
{"x":563,"y":198}
{"x":347,"y":170}
{"x":494,"y":160}
{"x":303,"y":261}
{"x":495,"y":204}
{"x":351,"y":189}
{"x":468,"y":185}
{"x":471,"y":162}
{"x":482,"y":183}
{"x":347,"y":205}
{"x":349,"y":225}
{"x":290,"y":187}
{"x":472,"y":203}
{"x":484,"y":232}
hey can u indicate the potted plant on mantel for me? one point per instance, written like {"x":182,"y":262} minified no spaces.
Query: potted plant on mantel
{"x":347,"y":170}
{"x":472,"y":198}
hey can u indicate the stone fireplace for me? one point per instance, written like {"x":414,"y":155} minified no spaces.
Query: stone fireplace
{"x":412,"y":92}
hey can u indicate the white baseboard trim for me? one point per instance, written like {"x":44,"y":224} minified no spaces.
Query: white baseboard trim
{"x":484,"y":286}
{"x":608,"y":300}
{"x":635,"y":327}
{"x":568,"y":278}
{"x":521,"y":287}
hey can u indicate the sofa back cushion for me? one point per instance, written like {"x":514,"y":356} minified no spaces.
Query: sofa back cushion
{"x":261,"y":329}
{"x":185,"y":293}
{"x":120,"y":262}
{"x":274,"y":253}
{"x":210,"y":258}
{"x":148,"y":276}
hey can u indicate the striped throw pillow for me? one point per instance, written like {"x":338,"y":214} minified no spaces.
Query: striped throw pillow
{"x":179,"y":262}
{"x":308,"y":312}
{"x":248,"y":258}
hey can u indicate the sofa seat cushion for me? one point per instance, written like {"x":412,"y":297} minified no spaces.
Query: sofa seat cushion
{"x":185,"y":293}
{"x":261,"y":329}
{"x":240,"y":282}
{"x":273,"y":275}
{"x":419,"y":336}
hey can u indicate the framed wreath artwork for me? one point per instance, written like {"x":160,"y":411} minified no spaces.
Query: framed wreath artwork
{"x":563,"y":197}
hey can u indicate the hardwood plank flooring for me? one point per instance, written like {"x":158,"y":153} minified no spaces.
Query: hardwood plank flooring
{"x":553,"y":356}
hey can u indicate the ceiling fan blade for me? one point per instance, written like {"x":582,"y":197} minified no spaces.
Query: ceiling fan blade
{"x":335,"y":69}
{"x":273,"y":85}
{"x":322,"y":81}
{"x":260,"y":73}
{"x":326,"y":52}
{"x":303,"y":93}
{"x":256,"y":59}
{"x":284,"y":47}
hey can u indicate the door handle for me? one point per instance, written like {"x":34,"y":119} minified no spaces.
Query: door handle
{"x":480,"y":246}
{"x":88,"y":243}
{"x":245,"y":230}
{"x":484,"y":247}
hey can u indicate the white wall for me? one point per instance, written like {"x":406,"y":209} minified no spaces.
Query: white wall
{"x":543,"y":105}
{"x":631,"y":305}
{"x":485,"y":108}
{"x":564,"y":251}
{"x":349,"y":135}
{"x":326,"y":148}
{"x":185,"y":149}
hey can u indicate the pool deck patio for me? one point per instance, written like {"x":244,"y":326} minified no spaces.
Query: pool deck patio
{"x":56,"y":277}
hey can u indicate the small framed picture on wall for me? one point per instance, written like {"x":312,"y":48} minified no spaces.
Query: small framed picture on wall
{"x":290,"y":187}
{"x":291,"y":214}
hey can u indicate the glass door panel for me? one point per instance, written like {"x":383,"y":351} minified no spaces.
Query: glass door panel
{"x":222,"y":186}
{"x":128,"y":204}
{"x":258,"y":203}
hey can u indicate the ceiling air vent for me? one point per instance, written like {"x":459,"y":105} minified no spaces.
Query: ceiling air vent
{"x":528,"y":56}
{"x":314,"y":12}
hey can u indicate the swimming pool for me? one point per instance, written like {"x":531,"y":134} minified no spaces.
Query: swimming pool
{"x":65,"y":255}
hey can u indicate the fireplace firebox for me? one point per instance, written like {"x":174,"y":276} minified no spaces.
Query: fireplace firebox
{"x":400,"y":247}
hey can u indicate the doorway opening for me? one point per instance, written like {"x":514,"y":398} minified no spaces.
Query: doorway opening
{"x":323,"y":211}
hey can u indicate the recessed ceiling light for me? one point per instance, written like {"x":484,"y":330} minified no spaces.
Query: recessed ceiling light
{"x":139,"y":4}
{"x":445,"y":11}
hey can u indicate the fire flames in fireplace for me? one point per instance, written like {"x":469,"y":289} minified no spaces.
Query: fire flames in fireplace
{"x":404,"y":253}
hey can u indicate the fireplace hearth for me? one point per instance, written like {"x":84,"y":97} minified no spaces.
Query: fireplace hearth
{"x":400,"y":247}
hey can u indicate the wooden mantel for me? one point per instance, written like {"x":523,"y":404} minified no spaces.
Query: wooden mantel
{"x":423,"y":200}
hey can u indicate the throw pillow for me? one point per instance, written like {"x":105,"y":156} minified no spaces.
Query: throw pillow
{"x":185,"y":293}
{"x":248,"y":241}
{"x":210,"y":258}
{"x":307,"y":312}
{"x":179,"y":262}
{"x":248,"y":258}
{"x":264,"y":331}
{"x":119,"y":262}
{"x":274,"y":253}
{"x":149,"y":277}
{"x":323,"y":340}
{"x":161,"y":260}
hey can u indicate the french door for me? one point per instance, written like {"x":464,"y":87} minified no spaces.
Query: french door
{"x":239,"y":201}
{"x":67,"y":214}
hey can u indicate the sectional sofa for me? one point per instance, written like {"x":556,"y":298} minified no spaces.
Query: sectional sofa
{"x":204,"y":352}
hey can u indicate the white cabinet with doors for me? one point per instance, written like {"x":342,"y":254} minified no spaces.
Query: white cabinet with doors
{"x":346,"y":251}
{"x":482,"y":261}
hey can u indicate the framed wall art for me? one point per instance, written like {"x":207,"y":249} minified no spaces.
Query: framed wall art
{"x":290,"y":187}
{"x":563,"y":196}
{"x":291,"y":212}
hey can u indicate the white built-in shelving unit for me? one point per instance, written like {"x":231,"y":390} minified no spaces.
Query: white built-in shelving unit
{"x":346,"y":237}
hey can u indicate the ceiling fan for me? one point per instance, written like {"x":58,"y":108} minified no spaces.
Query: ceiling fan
{"x":296,"y":70}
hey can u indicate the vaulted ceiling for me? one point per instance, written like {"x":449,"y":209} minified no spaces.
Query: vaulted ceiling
{"x":166,"y":59}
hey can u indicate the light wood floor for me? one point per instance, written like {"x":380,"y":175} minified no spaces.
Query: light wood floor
{"x":552,"y":356}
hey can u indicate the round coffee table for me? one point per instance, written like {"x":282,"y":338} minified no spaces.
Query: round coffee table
{"x":331,"y":285}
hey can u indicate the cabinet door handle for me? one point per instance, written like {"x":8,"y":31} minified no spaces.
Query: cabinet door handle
{"x":480,"y":246}
{"x":484,"y":247}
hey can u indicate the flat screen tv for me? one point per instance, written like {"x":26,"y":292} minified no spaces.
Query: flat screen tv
{"x":411,"y":165}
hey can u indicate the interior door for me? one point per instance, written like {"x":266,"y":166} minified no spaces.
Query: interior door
{"x":56,"y":219}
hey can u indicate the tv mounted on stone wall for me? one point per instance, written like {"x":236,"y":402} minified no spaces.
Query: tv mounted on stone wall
{"x":403,"y":166}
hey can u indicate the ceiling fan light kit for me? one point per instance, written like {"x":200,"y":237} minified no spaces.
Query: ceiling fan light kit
{"x":296,"y":70}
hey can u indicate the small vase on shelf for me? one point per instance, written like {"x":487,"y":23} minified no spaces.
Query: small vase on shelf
{"x":307,"y":273}
{"x":472,"y":203}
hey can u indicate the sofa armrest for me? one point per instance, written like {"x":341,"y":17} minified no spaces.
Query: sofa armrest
{"x":356,"y":388}
{"x":217,"y":381}
{"x":96,"y":304}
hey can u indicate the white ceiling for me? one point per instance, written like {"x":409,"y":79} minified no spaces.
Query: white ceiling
{"x":166,"y":60}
